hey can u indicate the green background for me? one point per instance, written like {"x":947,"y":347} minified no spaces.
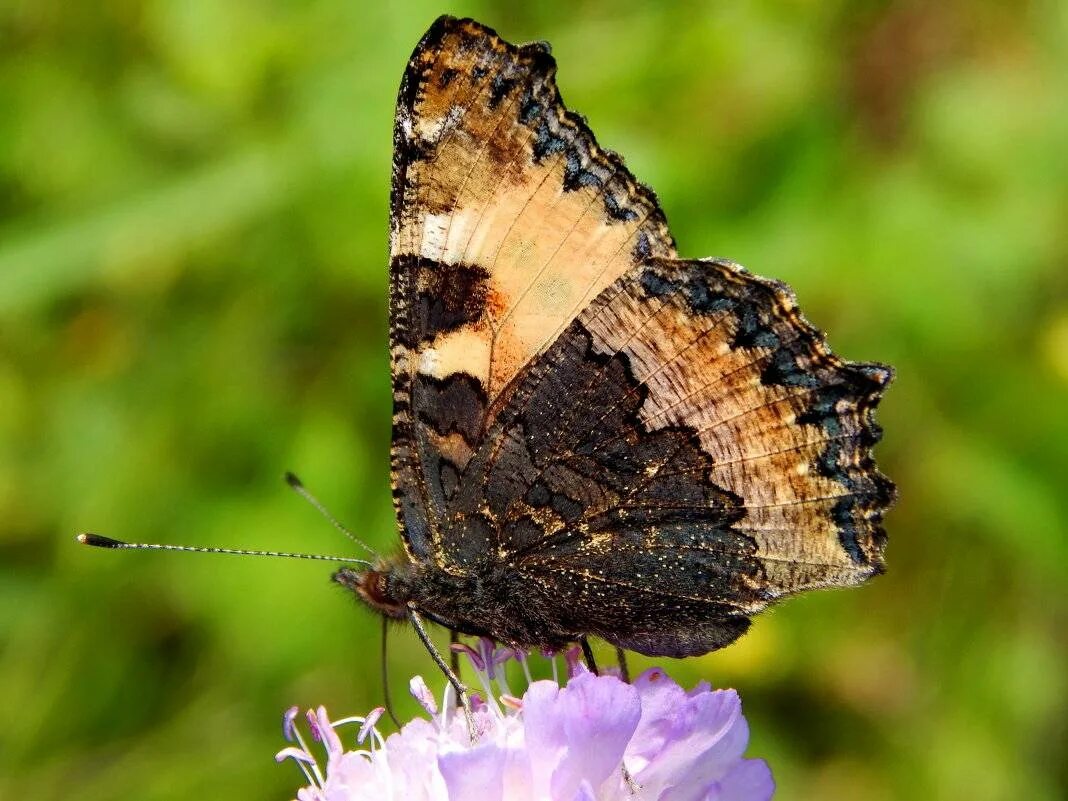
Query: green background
{"x":193,"y":222}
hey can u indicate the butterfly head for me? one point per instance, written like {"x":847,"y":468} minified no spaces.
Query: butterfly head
{"x":385,"y":588}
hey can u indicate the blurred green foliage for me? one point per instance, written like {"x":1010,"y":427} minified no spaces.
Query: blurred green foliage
{"x":193,"y":218}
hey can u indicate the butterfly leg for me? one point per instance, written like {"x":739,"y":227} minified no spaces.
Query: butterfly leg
{"x":385,"y":674}
{"x":621,"y":658}
{"x":587,"y":654}
{"x":454,"y":657}
{"x":450,"y":674}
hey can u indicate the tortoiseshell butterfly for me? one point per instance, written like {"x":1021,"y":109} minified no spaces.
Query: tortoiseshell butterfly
{"x":592,"y":436}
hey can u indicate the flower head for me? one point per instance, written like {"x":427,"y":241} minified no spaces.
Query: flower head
{"x":595,"y":738}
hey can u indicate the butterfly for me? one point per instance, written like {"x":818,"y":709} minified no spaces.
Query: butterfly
{"x":592,"y":436}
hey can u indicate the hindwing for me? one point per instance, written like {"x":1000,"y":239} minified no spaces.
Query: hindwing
{"x":686,"y":452}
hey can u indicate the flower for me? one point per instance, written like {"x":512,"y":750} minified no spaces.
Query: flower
{"x":596,"y":738}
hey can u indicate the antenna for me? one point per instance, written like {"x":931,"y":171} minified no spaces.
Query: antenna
{"x":98,"y":541}
{"x":298,"y":486}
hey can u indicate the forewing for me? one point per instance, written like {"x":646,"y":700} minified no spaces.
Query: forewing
{"x":685,"y":453}
{"x":506,"y":220}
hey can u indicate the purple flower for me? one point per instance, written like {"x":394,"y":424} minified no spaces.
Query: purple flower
{"x":594,"y":739}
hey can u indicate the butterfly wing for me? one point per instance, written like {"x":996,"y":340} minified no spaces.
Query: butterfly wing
{"x":686,"y":452}
{"x":506,"y":220}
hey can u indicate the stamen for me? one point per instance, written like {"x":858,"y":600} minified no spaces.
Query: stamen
{"x":368,"y":725}
{"x":331,"y":741}
{"x":289,"y":752}
{"x":313,"y":726}
{"x":502,"y":655}
{"x":512,"y":702}
{"x":289,"y":731}
{"x":521,"y":657}
{"x":421,"y":693}
{"x":501,"y":717}
{"x":482,"y":663}
{"x":447,"y":703}
{"x":346,"y":721}
{"x":303,"y":759}
{"x":470,"y":653}
{"x":487,"y":685}
{"x":574,"y":663}
{"x":486,"y":651}
{"x":551,"y":656}
{"x":318,"y":779}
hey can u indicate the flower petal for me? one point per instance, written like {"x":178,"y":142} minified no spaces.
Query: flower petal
{"x":708,"y":739}
{"x":356,"y":777}
{"x":553,"y":744}
{"x":543,"y":731}
{"x":749,"y":780}
{"x":412,"y":756}
{"x":599,"y":715}
{"x":476,"y":774}
{"x":661,"y":699}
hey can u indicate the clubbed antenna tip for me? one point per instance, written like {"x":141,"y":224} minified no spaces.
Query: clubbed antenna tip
{"x":98,"y":541}
{"x":293,"y":481}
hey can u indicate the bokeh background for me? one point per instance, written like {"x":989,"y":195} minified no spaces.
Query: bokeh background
{"x":193,"y":221}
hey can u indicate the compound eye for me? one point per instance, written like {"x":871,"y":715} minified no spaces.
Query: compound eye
{"x":373,"y":586}
{"x":376,"y":586}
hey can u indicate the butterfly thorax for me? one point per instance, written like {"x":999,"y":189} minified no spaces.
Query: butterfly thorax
{"x":479,"y":603}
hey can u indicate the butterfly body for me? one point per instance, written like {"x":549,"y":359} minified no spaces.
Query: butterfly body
{"x":493,"y":602}
{"x":592,"y":436}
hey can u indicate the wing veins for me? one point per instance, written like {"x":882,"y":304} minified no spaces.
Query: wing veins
{"x":526,"y":290}
{"x":502,"y":440}
{"x":496,"y":194}
{"x":439,"y":146}
{"x":459,"y":191}
{"x":646,"y":590}
{"x":802,"y":501}
{"x":563,"y":456}
{"x":585,"y":301}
